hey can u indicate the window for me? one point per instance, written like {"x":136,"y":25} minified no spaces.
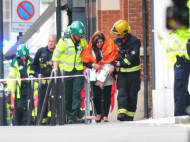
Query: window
{"x":6,"y":18}
{"x":6,"y":10}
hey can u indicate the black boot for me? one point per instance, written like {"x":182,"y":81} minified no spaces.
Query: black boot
{"x":129,"y":118}
{"x":77,"y":119}
{"x":70,"y":121}
{"x":122,"y":117}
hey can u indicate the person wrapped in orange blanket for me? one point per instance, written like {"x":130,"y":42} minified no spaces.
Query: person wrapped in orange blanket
{"x":101,"y":51}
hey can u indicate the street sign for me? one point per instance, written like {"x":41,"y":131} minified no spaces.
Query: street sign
{"x":24,"y":14}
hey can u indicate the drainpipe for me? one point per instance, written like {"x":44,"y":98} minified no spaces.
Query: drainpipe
{"x":1,"y":40}
{"x":2,"y":93}
{"x":152,"y":43}
{"x":58,"y":19}
{"x":145,"y":44}
{"x":90,"y":12}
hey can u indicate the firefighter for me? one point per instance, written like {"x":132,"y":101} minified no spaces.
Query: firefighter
{"x":128,"y":70}
{"x":67,"y":56}
{"x":20,"y":67}
{"x":43,"y":65}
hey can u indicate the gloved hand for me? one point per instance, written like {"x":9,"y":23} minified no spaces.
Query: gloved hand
{"x":179,"y":62}
{"x":31,"y":76}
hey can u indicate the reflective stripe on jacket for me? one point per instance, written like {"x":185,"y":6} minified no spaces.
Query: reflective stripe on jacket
{"x":15,"y":73}
{"x":176,"y":45}
{"x":67,"y":56}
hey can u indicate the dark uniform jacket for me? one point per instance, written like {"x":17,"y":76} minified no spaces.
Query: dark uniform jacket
{"x":42,"y":63}
{"x":129,"y":51}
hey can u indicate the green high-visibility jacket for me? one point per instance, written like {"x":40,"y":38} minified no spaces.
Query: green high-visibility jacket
{"x":14,"y":73}
{"x":176,"y":45}
{"x":67,"y":55}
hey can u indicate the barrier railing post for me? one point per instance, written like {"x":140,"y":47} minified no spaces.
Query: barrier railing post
{"x":62,"y":116}
{"x":54,"y":99}
{"x":39,"y":107}
{"x":30,"y":105}
{"x":87,"y":97}
{"x":15,"y":117}
{"x":2,"y":106}
{"x":45,"y":102}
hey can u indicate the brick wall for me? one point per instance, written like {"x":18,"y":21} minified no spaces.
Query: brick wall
{"x":130,"y":10}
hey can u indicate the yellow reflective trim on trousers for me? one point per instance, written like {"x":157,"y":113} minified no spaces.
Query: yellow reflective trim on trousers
{"x":122,"y":111}
{"x":127,"y":61}
{"x":34,"y":112}
{"x":49,"y":113}
{"x":132,"y":69}
{"x":83,"y":118}
{"x":32,"y":72}
{"x":8,"y":112}
{"x":45,"y":81}
{"x":44,"y":120}
{"x":131,"y":114}
{"x":85,"y":109}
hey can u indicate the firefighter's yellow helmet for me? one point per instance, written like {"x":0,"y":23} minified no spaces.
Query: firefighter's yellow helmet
{"x":121,"y":27}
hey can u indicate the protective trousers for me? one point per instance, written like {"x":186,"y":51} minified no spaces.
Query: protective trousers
{"x":128,"y":85}
{"x":181,"y":94}
{"x":22,"y":106}
{"x":73,"y":87}
{"x":40,"y":103}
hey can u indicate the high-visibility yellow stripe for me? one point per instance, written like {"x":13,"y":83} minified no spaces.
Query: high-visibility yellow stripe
{"x":32,"y":72}
{"x":130,"y":113}
{"x":44,"y":120}
{"x":127,"y":61}
{"x":122,"y":111}
{"x":132,"y":69}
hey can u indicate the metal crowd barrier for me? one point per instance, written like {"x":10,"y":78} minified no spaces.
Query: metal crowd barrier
{"x":88,"y":100}
{"x":30,"y":103}
{"x":55,"y":91}
{"x":15,"y":114}
{"x":2,"y":105}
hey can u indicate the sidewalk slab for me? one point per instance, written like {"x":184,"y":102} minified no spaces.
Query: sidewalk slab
{"x":168,"y":120}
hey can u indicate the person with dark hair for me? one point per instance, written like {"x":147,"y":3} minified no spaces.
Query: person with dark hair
{"x":102,"y":51}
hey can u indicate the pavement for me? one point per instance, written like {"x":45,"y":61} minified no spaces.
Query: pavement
{"x":175,"y":129}
{"x":167,"y":120}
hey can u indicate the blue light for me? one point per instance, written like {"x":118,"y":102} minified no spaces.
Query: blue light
{"x":7,"y":44}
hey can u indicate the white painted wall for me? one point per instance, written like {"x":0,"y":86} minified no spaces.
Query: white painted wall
{"x":163,"y":95}
{"x":163,"y":103}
